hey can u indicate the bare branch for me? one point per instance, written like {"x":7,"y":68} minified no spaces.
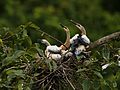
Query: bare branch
{"x":68,"y":80}
{"x":103,"y":40}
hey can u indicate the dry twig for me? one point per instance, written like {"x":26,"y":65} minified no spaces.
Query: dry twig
{"x":106,"y":39}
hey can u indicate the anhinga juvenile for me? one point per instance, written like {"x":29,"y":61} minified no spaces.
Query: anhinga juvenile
{"x":55,"y":52}
{"x":79,"y":41}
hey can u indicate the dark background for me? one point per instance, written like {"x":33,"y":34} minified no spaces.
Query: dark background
{"x":99,"y":17}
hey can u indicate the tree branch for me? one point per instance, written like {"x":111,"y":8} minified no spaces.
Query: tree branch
{"x":68,"y":80}
{"x":103,"y":40}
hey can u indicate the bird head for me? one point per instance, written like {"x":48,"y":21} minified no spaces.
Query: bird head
{"x":43,"y":41}
{"x":67,"y":42}
{"x":80,"y":27}
{"x":64,"y":27}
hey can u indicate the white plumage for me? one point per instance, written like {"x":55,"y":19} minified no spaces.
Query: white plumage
{"x":79,"y":49}
{"x":74,"y":38}
{"x":50,"y":55}
{"x":109,"y":64}
{"x":85,"y":39}
{"x":53,"y":48}
{"x":53,"y":51}
{"x":79,"y":41}
{"x":105,"y":66}
{"x":81,"y":36}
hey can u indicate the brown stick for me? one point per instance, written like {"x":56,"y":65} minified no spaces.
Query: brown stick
{"x":103,"y":40}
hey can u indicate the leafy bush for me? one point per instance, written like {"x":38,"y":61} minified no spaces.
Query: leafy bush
{"x":23,"y":65}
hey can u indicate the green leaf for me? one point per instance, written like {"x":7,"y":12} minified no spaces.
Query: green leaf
{"x":27,"y":88}
{"x":1,"y":42}
{"x":81,"y":70}
{"x":27,"y":42}
{"x":15,"y":72}
{"x":119,"y":52}
{"x":86,"y":84}
{"x":19,"y":73}
{"x":24,"y":33}
{"x":10,"y":59}
{"x":51,"y":64}
{"x":40,"y":51}
{"x":98,"y":74}
{"x":114,"y":84}
{"x":96,"y":85}
{"x":20,"y":85}
{"x":34,"y":26}
{"x":54,"y":65}
{"x":18,"y":53}
{"x":36,"y":74}
{"x":106,"y":53}
{"x":7,"y":61}
{"x":104,"y":85}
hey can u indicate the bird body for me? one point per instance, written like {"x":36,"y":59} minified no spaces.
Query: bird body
{"x":79,"y":41}
{"x":53,"y":48}
{"x":54,"y":56}
{"x":84,"y":39}
{"x":55,"y":52}
{"x":75,"y":37}
{"x":52,"y":51}
{"x":79,"y":49}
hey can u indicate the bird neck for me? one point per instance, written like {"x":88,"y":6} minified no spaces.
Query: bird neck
{"x":82,"y":30}
{"x":46,"y":42}
{"x":67,"y":42}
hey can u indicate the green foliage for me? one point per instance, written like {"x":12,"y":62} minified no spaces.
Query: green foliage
{"x":24,"y":66}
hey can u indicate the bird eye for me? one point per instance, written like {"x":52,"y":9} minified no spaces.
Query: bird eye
{"x":79,"y":25}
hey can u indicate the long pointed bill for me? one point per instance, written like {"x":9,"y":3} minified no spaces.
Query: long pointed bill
{"x":80,"y":27}
{"x":74,"y":22}
{"x":63,"y":26}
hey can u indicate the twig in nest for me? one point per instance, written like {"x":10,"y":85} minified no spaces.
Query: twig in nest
{"x":42,"y":80}
{"x":49,"y":81}
{"x":68,"y":80}
{"x":59,"y":68}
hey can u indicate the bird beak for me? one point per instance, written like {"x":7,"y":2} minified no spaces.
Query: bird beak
{"x":79,"y":26}
{"x":63,"y":26}
{"x":73,"y":22}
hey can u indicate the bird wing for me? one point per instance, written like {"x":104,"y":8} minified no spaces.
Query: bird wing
{"x":74,"y":38}
{"x":54,"y":49}
{"x":56,"y":56}
{"x":79,"y":49}
{"x":85,"y":39}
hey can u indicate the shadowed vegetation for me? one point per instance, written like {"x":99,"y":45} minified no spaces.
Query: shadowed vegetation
{"x":23,"y":65}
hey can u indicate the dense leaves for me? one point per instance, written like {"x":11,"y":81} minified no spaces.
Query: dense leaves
{"x":23,"y":65}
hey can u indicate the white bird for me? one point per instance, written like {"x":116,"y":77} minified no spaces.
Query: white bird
{"x":51,"y":48}
{"x":79,"y":49}
{"x":81,"y":37}
{"x":79,"y":41}
{"x":109,"y":64}
{"x":105,"y":66}
{"x":53,"y":51}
